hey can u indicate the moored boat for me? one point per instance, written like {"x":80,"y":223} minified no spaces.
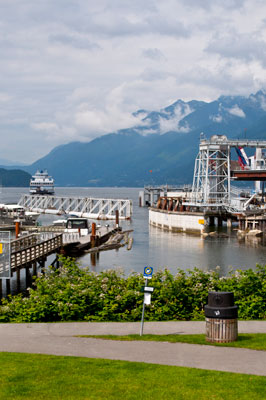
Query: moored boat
{"x":9,"y":213}
{"x":74,"y":225}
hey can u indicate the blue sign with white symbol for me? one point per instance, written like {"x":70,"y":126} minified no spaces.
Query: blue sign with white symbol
{"x":148,"y":272}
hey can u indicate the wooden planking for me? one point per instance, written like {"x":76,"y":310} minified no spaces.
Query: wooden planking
{"x":28,"y":249}
{"x":221,"y":330}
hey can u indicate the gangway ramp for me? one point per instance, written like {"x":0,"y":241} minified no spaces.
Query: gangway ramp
{"x":79,"y":206}
{"x":34,"y":247}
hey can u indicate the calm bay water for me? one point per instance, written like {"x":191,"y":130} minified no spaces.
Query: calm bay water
{"x":158,"y":248}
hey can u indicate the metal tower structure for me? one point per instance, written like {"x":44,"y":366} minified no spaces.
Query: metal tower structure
{"x":213,"y":172}
{"x":211,"y":181}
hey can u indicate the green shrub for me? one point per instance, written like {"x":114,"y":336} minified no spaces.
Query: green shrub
{"x":70,"y":293}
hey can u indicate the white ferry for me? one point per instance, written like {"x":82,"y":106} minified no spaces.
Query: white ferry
{"x":41,"y":183}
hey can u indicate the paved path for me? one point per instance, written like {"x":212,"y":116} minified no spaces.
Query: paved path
{"x":58,"y":339}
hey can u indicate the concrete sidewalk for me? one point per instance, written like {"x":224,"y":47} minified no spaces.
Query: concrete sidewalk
{"x":58,"y":339}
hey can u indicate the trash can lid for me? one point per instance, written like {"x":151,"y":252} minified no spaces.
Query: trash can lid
{"x":222,"y":299}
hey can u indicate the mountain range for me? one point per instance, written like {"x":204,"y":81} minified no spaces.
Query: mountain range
{"x":14,"y":178}
{"x":161,"y":149}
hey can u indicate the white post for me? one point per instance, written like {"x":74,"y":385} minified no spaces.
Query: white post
{"x":143,"y":310}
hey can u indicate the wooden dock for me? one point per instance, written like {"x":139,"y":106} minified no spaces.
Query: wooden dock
{"x":30,"y":251}
{"x":89,"y":241}
{"x":251,"y":220}
{"x":33,"y":248}
{"x":73,"y":243}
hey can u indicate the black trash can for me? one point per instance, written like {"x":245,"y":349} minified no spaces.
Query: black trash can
{"x":221,"y":317}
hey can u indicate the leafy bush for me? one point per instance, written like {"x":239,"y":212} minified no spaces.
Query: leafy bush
{"x":70,"y":293}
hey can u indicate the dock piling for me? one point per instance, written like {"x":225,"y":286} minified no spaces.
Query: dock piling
{"x":117,"y":218}
{"x":7,"y":286}
{"x":34,"y":268}
{"x":93,"y":234}
{"x":17,"y":228}
{"x":27,"y":275}
{"x":93,"y":259}
{"x":18,"y":278}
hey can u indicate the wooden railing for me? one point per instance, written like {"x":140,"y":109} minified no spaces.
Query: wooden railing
{"x":34,"y":247}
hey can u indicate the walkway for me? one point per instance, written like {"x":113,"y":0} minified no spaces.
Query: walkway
{"x":59,"y":339}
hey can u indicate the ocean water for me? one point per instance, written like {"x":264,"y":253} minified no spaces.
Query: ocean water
{"x":155,"y":247}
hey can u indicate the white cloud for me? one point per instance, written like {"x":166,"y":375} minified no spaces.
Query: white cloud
{"x":54,"y":133}
{"x":4,"y":97}
{"x":146,"y":132}
{"x":216,"y":118}
{"x":75,"y":41}
{"x":238,"y":112}
{"x":172,"y":123}
{"x":208,"y":4}
{"x":263,"y":104}
{"x":45,"y":127}
{"x":114,"y":115}
{"x":74,"y":70}
{"x":262,"y":100}
{"x":154,"y":54}
{"x":95,"y":122}
{"x":245,"y":46}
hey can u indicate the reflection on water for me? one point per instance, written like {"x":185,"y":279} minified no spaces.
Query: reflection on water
{"x":187,"y":252}
{"x":158,"y":248}
{"x":162,"y":249}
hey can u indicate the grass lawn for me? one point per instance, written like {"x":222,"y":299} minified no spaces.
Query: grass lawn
{"x":34,"y":376}
{"x":254,"y":341}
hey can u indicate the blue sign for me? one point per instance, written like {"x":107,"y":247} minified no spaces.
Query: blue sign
{"x":148,"y":272}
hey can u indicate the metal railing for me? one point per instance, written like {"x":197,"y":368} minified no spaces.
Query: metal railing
{"x":78,"y":206}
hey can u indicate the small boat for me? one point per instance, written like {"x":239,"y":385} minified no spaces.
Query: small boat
{"x":80,"y":225}
{"x":41,"y":183}
{"x":74,"y":225}
{"x":9,"y":213}
{"x":60,"y":222}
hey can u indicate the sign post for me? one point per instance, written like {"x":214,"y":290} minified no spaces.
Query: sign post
{"x":147,"y":294}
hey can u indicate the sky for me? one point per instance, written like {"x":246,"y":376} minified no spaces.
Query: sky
{"x":73,"y":70}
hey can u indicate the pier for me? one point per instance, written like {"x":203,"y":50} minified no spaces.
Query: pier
{"x":251,"y":221}
{"x":213,"y":198}
{"x":30,"y":252}
{"x":149,"y":196}
{"x":215,"y":170}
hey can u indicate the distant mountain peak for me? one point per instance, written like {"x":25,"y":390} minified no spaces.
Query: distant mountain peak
{"x":141,"y":113}
{"x":261,"y":92}
{"x":259,"y":99}
{"x":165,"y":141}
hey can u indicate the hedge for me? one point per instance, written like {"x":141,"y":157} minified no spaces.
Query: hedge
{"x":71,"y":293}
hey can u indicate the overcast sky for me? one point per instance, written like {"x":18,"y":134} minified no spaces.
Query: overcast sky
{"x":77,"y":69}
